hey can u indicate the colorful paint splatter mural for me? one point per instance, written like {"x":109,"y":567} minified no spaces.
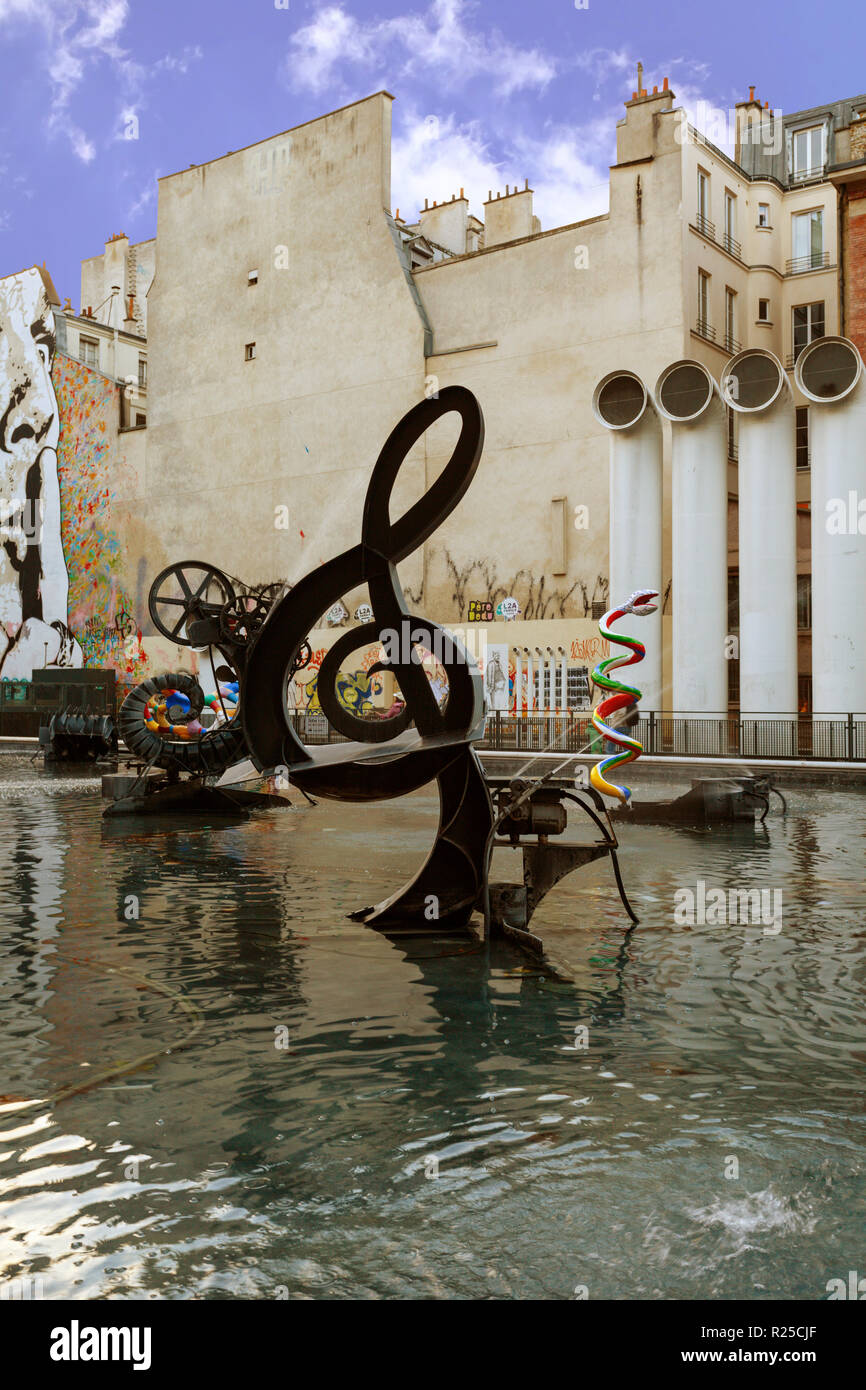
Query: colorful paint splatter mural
{"x":61,"y":602}
{"x":100,"y":611}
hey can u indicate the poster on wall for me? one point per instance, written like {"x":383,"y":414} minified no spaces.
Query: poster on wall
{"x":496,"y":691}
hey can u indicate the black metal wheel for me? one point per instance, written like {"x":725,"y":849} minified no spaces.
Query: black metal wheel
{"x":188,"y":590}
{"x":241,"y":619}
{"x":303,"y":658}
{"x":271,"y":592}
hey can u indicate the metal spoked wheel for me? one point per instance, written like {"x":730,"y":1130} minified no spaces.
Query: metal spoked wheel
{"x":241,"y":619}
{"x":181,"y":592}
{"x":272,"y":592}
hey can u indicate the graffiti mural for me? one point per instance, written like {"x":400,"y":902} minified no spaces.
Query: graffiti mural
{"x":34,"y":585}
{"x":61,"y":601}
{"x":358,"y":690}
{"x":354,"y":689}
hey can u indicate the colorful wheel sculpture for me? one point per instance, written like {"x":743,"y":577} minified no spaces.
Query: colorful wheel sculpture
{"x":159,"y":723}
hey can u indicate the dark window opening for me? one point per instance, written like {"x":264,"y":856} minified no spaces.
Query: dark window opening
{"x":804,"y":602}
{"x":802,"y":435}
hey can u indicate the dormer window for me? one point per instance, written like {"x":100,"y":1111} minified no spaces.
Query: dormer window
{"x":807,"y":153}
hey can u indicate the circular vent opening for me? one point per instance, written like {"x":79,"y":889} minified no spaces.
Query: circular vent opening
{"x":621,"y":400}
{"x":753,"y":381}
{"x":685,"y":391}
{"x":829,"y":370}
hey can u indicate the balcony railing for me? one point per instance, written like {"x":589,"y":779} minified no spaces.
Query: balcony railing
{"x":816,"y":260}
{"x":705,"y":330}
{"x":705,"y":226}
{"x":804,"y":175}
{"x":732,"y":344}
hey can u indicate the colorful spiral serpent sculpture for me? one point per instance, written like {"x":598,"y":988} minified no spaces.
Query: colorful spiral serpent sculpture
{"x":625,"y":696}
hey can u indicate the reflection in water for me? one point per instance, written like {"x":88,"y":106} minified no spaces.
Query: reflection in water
{"x":215,"y":1085}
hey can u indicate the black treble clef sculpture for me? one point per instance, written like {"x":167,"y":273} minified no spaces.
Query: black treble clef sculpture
{"x":423,"y":740}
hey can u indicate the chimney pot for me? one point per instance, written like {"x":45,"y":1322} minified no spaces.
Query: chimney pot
{"x":665,"y":85}
{"x":655,"y":89}
{"x":461,"y":193}
{"x":634,"y":96}
{"x":766,"y":105}
{"x":751,"y":94}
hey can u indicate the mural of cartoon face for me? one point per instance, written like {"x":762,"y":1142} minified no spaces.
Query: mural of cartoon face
{"x":34,"y":583}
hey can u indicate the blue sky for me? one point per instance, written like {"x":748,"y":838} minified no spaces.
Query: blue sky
{"x":99,"y":97}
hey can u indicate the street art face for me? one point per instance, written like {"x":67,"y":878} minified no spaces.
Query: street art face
{"x":33,"y":579}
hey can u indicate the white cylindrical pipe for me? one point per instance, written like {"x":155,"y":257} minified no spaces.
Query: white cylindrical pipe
{"x":539,"y":680}
{"x":688,"y":396}
{"x":622,"y":404}
{"x":530,"y":683}
{"x":518,"y":681}
{"x":831,"y":376}
{"x":755,"y":385}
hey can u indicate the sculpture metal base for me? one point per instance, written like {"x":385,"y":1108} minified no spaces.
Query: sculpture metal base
{"x":157,"y":795}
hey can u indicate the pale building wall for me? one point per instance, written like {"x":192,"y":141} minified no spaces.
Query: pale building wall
{"x":130,"y":267}
{"x":118,"y":353}
{"x":446,"y":223}
{"x":338,"y":343}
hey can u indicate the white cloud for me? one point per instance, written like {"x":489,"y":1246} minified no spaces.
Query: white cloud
{"x":76,"y":32}
{"x":568,"y":166}
{"x":332,"y":38}
{"x":143,"y":201}
{"x":84,"y":148}
{"x":79,"y":34}
{"x":440,"y":43}
{"x":179,"y":62}
{"x":434,"y":157}
{"x":18,"y":9}
{"x":108,"y":18}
